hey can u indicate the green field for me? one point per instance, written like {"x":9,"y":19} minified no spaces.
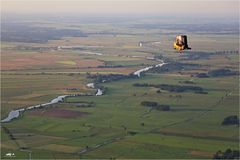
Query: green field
{"x":117,"y":126}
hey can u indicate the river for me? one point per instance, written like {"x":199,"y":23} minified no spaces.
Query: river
{"x":138,"y":72}
{"x":16,"y":113}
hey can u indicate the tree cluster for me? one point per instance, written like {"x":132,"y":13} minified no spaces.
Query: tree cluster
{"x":222,"y":72}
{"x":231,"y":120}
{"x":173,"y":88}
{"x":216,"y":73}
{"x":155,"y":105}
{"x":101,"y":78}
{"x":228,"y":154}
{"x":173,"y":66}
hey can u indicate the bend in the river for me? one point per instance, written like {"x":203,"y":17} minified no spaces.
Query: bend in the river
{"x":16,"y":113}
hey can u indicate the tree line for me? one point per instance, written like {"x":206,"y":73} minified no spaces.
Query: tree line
{"x":227,"y":154}
{"x":231,"y":120}
{"x":217,"y":73}
{"x":101,"y":78}
{"x":155,"y":105}
{"x":173,"y":88}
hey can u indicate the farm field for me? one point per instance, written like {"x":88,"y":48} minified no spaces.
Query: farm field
{"x":117,"y":124}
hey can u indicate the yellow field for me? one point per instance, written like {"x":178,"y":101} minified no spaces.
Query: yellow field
{"x":68,"y":62}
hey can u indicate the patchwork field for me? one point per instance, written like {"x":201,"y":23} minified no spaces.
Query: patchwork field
{"x":117,"y":125}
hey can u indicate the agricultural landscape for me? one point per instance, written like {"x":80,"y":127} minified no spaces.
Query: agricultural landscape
{"x":187,"y":107}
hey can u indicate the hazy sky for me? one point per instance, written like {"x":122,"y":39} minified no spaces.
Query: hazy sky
{"x":212,"y":8}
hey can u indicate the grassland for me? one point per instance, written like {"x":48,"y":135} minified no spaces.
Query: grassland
{"x":117,"y":126}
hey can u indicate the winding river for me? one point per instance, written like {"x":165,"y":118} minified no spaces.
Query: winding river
{"x":16,"y":113}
